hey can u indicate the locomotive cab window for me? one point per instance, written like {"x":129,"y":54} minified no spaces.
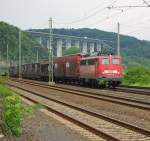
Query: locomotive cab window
{"x":91,"y":62}
{"x":105,"y":61}
{"x":115,"y":61}
{"x":83,"y":62}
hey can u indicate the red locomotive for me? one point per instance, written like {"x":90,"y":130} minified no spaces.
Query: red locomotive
{"x":103,"y":70}
{"x":100,"y":70}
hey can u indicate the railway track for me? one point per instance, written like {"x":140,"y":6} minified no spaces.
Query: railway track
{"x":134,"y":90}
{"x":136,"y":87}
{"x":131,"y":101}
{"x":103,"y":126}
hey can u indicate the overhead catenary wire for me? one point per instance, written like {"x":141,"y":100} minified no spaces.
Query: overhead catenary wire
{"x":107,"y":18}
{"x":133,"y":25}
{"x":94,"y":8}
{"x":130,"y":6}
{"x":111,"y":16}
{"x":146,"y":2}
{"x":104,"y":19}
{"x":136,"y":31}
{"x":90,"y":15}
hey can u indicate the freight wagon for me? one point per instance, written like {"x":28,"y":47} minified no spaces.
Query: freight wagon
{"x":100,"y":70}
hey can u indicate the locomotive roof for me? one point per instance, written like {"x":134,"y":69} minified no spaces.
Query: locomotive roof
{"x":94,"y":57}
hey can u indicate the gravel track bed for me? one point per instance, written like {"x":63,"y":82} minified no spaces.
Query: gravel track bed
{"x":115,"y":130}
{"x":121,"y":112}
{"x":140,"y":89}
{"x":140,"y":97}
{"x":42,"y":127}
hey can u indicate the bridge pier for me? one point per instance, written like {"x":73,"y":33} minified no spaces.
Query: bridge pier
{"x":68,"y":44}
{"x":98,"y":47}
{"x":84,"y":47}
{"x":40,"y":40}
{"x":77,"y":44}
{"x":91,"y":48}
{"x":59,"y":47}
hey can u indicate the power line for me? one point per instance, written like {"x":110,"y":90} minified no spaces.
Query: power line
{"x":138,"y":30}
{"x":112,"y":16}
{"x":134,"y":21}
{"x":133,"y":25}
{"x":94,"y":9}
{"x":90,"y":15}
{"x":130,"y":6}
{"x":106,"y":18}
{"x":146,"y":3}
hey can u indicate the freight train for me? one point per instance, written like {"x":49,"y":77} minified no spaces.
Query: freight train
{"x":101,"y":70}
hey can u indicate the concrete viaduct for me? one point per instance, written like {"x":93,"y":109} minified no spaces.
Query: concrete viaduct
{"x":60,"y":42}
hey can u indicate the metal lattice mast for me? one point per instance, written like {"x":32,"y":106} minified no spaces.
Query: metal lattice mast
{"x":20,"y":75}
{"x":7,"y":61}
{"x":50,"y":53}
{"x":118,"y":40}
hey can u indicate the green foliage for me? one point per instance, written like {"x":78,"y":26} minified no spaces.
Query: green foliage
{"x":3,"y":79}
{"x":13,"y":111}
{"x":135,"y":52}
{"x":72,"y":50}
{"x":10,"y":35}
{"x":137,"y":76}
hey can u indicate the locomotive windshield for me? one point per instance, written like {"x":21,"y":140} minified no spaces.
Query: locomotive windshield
{"x":115,"y":61}
{"x":105,"y":61}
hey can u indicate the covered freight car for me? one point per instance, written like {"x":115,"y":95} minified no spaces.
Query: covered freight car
{"x":66,"y":68}
{"x":99,"y":70}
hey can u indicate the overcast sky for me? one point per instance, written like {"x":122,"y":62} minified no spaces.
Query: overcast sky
{"x":77,"y":14}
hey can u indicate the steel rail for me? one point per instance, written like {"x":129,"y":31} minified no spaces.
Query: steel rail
{"x":133,"y":89}
{"x":96,"y":131}
{"x":79,"y":123}
{"x":119,"y":100}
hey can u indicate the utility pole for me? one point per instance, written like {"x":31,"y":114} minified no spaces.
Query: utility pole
{"x":23,"y":60}
{"x":37,"y":56}
{"x":50,"y":68}
{"x":20,"y":75}
{"x":118,"y":40}
{"x":7,"y":61}
{"x":7,"y":55}
{"x":0,"y":50}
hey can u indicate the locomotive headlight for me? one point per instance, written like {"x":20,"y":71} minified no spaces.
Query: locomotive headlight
{"x":110,"y":71}
{"x":106,"y":71}
{"x":115,"y":71}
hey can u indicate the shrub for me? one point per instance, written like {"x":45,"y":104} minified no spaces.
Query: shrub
{"x":138,"y":75}
{"x":13,"y":111}
{"x":72,"y":50}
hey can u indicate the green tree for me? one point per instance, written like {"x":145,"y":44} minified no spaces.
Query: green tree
{"x":9,"y":35}
{"x":134,"y":51}
{"x":137,"y":76}
{"x":72,"y":50}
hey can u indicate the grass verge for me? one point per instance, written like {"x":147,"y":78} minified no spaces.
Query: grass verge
{"x":139,"y":76}
{"x":13,"y":111}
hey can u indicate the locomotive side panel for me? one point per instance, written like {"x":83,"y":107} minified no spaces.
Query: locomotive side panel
{"x":88,"y":68}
